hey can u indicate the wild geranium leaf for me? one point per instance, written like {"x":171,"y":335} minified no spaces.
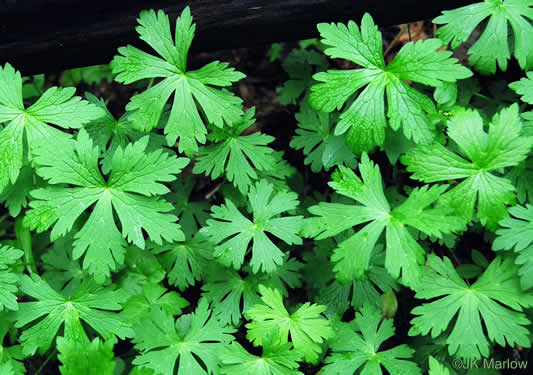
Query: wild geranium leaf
{"x":16,"y":196}
{"x":521,"y":176}
{"x":109,"y":133}
{"x":187,"y":261}
{"x":190,"y":343}
{"x":139,"y":307}
{"x":277,"y":359}
{"x":315,"y":136}
{"x":492,"y":47}
{"x":435,"y":368}
{"x":236,"y":155}
{"x":233,"y":232}
{"x":300,"y":66}
{"x":231,"y":294}
{"x":79,"y":358}
{"x":130,"y":191}
{"x":8,"y":280}
{"x":494,"y":300}
{"x":503,"y":146}
{"x":193,"y":90}
{"x":403,"y":253}
{"x":306,"y":326}
{"x":352,"y":350}
{"x":365,"y":290}
{"x":90,"y":303}
{"x":524,"y":87}
{"x":60,"y":269}
{"x":192,"y":214}
{"x":365,"y":118}
{"x":10,"y":356}
{"x":517,"y":233}
{"x":57,"y":106}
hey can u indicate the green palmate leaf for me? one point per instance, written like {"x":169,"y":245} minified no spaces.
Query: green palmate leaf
{"x":233,"y":232}
{"x":517,"y":233}
{"x":315,"y":136}
{"x":192,"y":214}
{"x":8,"y":280}
{"x":16,"y":196}
{"x":193,"y":90}
{"x":403,"y":253}
{"x":300,"y":66}
{"x":57,"y":106}
{"x":524,"y":87}
{"x":277,"y":359}
{"x":139,"y":307}
{"x":495,"y":300}
{"x":60,"y":269}
{"x":130,"y":191}
{"x":367,"y":289}
{"x":90,"y":303}
{"x":353,"y":350}
{"x":521,"y":176}
{"x":306,"y":326}
{"x":186,"y":262}
{"x":108,"y":133}
{"x":10,"y":356}
{"x":231,"y":294}
{"x":492,"y":47}
{"x":236,"y":155}
{"x":435,"y":368}
{"x":503,"y":146}
{"x":79,"y":358}
{"x":191,"y":342}
{"x":365,"y":118}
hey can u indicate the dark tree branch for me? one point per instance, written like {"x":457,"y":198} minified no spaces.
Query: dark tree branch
{"x":50,"y":35}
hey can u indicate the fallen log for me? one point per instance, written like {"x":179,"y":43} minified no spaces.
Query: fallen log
{"x":50,"y":35}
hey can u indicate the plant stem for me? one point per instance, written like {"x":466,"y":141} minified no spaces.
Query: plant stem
{"x":24,"y":243}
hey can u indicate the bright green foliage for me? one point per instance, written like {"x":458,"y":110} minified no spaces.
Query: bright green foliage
{"x":57,"y":106}
{"x":16,"y":196}
{"x":92,"y":304}
{"x":60,"y":269}
{"x":494,"y":300}
{"x":521,"y":176}
{"x":277,"y":359}
{"x":192,"y":215}
{"x":135,"y":179}
{"x":190,"y":88}
{"x":300,"y":66}
{"x":79,"y":358}
{"x":517,"y":233}
{"x":9,"y":355}
{"x":403,"y":253}
{"x":241,"y":259}
{"x":89,"y":75}
{"x":186,"y":261}
{"x":524,"y":87}
{"x":109,"y":133}
{"x":163,"y":342}
{"x":236,"y":155}
{"x":492,"y":47}
{"x":435,"y":368}
{"x":8,"y":280}
{"x":353,"y":350}
{"x":314,"y":135}
{"x":227,"y":290}
{"x":364,"y":119}
{"x":139,"y":307}
{"x":232,"y":232}
{"x":306,"y":326}
{"x":503,"y":146}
